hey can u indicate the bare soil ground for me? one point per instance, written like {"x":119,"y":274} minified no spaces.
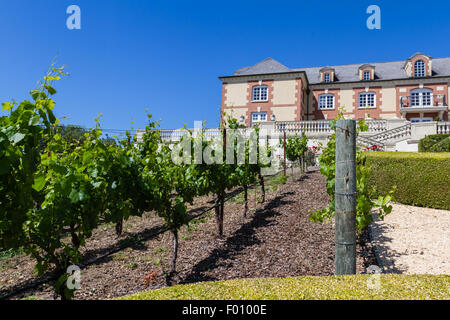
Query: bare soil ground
{"x":275,"y":240}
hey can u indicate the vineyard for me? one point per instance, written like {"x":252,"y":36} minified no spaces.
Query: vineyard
{"x":258,"y":246}
{"x":139,"y":213}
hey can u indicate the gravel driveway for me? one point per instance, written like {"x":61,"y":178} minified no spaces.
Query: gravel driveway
{"x":413,"y":240}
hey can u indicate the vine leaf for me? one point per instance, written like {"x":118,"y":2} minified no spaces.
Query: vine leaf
{"x":39,"y":183}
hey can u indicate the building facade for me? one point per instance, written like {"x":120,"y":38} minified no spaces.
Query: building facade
{"x":415,"y":89}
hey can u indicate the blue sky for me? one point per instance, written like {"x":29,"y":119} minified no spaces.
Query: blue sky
{"x":165,"y":56}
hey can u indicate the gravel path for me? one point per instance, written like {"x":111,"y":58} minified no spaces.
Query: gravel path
{"x":413,"y":240}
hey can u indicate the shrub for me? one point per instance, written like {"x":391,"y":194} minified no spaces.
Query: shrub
{"x":421,"y":178}
{"x":425,"y":144}
{"x":349,"y":287}
{"x":441,"y":146}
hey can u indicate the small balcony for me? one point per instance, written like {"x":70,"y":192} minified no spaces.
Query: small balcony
{"x":423,"y":102}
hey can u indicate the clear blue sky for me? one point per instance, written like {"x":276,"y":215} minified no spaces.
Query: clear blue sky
{"x":166,"y":55}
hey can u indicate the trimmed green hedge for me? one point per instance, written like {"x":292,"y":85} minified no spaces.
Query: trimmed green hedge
{"x":355,"y":287}
{"x":427,"y":144}
{"x":441,"y":146}
{"x":422,"y":179}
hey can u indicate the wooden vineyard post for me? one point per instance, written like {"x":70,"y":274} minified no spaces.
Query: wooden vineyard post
{"x":284,"y":153}
{"x":345,"y":198}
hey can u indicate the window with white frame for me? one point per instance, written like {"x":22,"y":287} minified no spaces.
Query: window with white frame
{"x":259,"y":117}
{"x":259,"y":93}
{"x":366,"y":75}
{"x":326,"y":101}
{"x":419,"y":68}
{"x":413,"y":120}
{"x":367,"y":100}
{"x":326,"y":77}
{"x":421,"y":97}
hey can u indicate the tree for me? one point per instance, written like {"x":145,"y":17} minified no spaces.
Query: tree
{"x":73,"y":134}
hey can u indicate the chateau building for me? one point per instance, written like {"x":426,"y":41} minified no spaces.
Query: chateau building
{"x":415,"y":89}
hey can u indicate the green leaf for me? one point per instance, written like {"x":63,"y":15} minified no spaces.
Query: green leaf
{"x":35,"y":94}
{"x":34,"y":120}
{"x":87,"y":156}
{"x":39,"y":183}
{"x":52,"y":78}
{"x":16,"y":138}
{"x":50,"y":89}
{"x":7,"y":106}
{"x":74,"y":196}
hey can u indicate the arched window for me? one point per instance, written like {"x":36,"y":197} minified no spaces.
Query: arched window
{"x":326,"y":101}
{"x":419,"y":68}
{"x":259,"y":93}
{"x":421,"y":97}
{"x":367,"y":100}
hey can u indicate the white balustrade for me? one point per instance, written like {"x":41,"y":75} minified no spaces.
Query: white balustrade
{"x":443,"y":127}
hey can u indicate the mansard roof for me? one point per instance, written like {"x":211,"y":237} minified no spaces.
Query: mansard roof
{"x":366,"y":66}
{"x":268,"y":65}
{"x":324,"y":69}
{"x":346,"y":73}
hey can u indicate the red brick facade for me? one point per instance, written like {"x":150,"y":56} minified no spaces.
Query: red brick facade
{"x":361,"y":113}
{"x":267,"y":106}
{"x":346,"y":93}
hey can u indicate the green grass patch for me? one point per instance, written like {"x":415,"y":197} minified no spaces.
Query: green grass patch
{"x":422,"y":179}
{"x":132,"y":265}
{"x":185,"y":237}
{"x":280,"y":178}
{"x":31,"y":298}
{"x":410,"y":287}
{"x":131,"y":239}
{"x":120,"y":256}
{"x":8,"y":254}
{"x":160,"y":250}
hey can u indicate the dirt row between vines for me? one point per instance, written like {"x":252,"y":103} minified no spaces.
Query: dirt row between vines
{"x":275,"y":240}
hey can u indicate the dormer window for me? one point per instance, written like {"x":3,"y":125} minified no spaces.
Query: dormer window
{"x":419,"y":68}
{"x":259,"y":93}
{"x":327,"y":75}
{"x":419,"y":65}
{"x":366,"y":72}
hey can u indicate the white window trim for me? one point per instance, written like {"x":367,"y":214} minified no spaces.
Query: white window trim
{"x":374,"y":99}
{"x":420,"y":92}
{"x":259,"y":100}
{"x":425,"y":119}
{"x":364,"y":75}
{"x":324,"y":77}
{"x":424,"y":69}
{"x":326,"y":101}
{"x":259,"y":117}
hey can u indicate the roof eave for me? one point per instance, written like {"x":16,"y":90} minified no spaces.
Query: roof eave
{"x":222,"y":78}
{"x":378,"y":80}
